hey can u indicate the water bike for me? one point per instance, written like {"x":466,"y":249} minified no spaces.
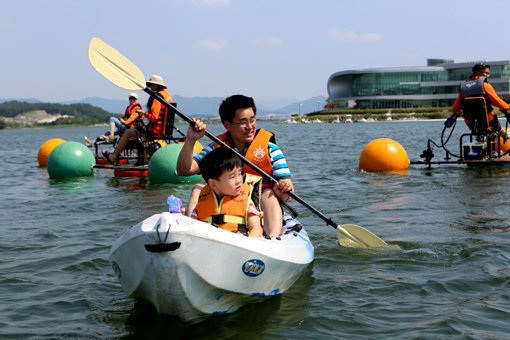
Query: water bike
{"x":134,"y":158}
{"x":481,"y":147}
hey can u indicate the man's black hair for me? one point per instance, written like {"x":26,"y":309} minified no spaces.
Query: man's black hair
{"x":233,"y":103}
{"x":216,"y":162}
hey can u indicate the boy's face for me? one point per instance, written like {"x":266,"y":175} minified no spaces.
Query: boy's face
{"x":229,"y":183}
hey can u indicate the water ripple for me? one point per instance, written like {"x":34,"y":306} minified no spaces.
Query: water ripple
{"x":449,"y":279}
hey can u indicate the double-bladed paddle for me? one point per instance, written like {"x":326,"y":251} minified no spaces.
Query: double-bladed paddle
{"x":123,"y":73}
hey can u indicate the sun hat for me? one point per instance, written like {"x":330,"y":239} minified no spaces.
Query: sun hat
{"x":132,"y":94}
{"x":157,"y":80}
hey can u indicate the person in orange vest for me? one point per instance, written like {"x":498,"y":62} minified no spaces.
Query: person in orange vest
{"x":119,"y":125}
{"x":156,"y":116}
{"x":226,"y":200}
{"x":478,"y":86}
{"x":238,"y":115}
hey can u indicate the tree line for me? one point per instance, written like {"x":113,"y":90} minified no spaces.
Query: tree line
{"x":81,"y":113}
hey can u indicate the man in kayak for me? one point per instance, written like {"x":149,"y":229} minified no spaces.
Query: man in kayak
{"x":476,"y":87}
{"x":119,"y":125}
{"x":238,"y":115}
{"x":156,"y":116}
{"x":225,"y":200}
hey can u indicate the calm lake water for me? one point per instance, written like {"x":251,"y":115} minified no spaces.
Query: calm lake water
{"x":451,"y":280}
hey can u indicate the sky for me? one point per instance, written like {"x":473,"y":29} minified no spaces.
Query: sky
{"x":277,"y":51}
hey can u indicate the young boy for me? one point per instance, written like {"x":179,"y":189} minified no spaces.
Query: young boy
{"x":225,"y":200}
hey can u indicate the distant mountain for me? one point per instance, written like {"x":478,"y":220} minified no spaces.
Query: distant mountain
{"x":194,"y":106}
{"x":197,"y":106}
{"x":27,"y":100}
{"x":110,"y":105}
{"x":310,"y":105}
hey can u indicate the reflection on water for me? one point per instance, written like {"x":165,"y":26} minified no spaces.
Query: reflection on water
{"x":72,"y":184}
{"x":392,"y":203}
{"x":128,"y":183}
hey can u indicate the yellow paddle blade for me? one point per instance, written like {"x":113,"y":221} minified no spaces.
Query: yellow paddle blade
{"x":114,"y":66}
{"x":354,"y":236}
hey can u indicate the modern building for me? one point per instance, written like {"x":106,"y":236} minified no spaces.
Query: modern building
{"x":434,"y":85}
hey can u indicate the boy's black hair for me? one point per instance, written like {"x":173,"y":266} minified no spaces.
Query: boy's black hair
{"x":233,"y":103}
{"x":217,"y":162}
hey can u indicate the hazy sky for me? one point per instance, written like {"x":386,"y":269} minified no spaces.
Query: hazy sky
{"x":273,"y":50}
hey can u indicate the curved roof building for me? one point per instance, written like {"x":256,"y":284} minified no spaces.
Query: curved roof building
{"x":435,"y":85}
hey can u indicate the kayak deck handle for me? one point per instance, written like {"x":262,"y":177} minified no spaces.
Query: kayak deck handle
{"x":162,"y":247}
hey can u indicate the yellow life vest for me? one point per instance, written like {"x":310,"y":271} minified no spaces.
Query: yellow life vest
{"x":231,"y":212}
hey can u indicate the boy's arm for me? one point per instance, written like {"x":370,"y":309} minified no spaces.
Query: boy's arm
{"x":254,"y":226}
{"x":254,"y":216}
{"x":193,"y":200}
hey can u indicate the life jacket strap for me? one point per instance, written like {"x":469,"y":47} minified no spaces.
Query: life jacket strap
{"x":222,"y":218}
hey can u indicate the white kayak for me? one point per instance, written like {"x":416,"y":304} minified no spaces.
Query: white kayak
{"x":190,"y":269}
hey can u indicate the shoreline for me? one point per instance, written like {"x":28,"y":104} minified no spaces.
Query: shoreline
{"x":359,"y":121}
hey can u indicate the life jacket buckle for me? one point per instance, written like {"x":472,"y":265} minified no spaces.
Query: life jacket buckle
{"x":218,"y":219}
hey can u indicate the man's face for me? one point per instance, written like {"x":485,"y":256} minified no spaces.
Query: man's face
{"x":243,"y":126}
{"x":485,"y":72}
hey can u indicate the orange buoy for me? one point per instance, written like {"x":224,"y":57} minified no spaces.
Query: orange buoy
{"x":161,"y":142}
{"x":196,"y":148}
{"x":383,"y":154}
{"x":46,"y":149}
{"x":504,"y":146}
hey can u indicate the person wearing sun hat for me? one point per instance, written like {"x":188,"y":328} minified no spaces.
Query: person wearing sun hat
{"x":157,"y":111}
{"x":156,"y":80}
{"x":156,"y":115}
{"x":119,"y":125}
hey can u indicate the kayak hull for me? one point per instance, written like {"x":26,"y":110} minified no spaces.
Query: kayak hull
{"x":193,"y":269}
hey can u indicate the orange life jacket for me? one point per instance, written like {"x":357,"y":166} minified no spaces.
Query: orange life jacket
{"x":157,"y":113}
{"x":231,"y":212}
{"x":257,"y":153}
{"x":130,"y":115}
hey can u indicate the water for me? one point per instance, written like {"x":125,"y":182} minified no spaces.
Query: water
{"x":450,"y":280}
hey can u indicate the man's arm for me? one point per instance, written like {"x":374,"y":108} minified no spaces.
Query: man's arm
{"x":133,"y":115}
{"x":456,"y":105}
{"x":281,"y":172}
{"x":186,"y":166}
{"x":494,"y":97}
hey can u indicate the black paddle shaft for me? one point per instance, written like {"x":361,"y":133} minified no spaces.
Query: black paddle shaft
{"x":253,"y":166}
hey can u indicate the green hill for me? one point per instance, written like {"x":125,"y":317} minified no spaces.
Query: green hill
{"x":65,"y":114}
